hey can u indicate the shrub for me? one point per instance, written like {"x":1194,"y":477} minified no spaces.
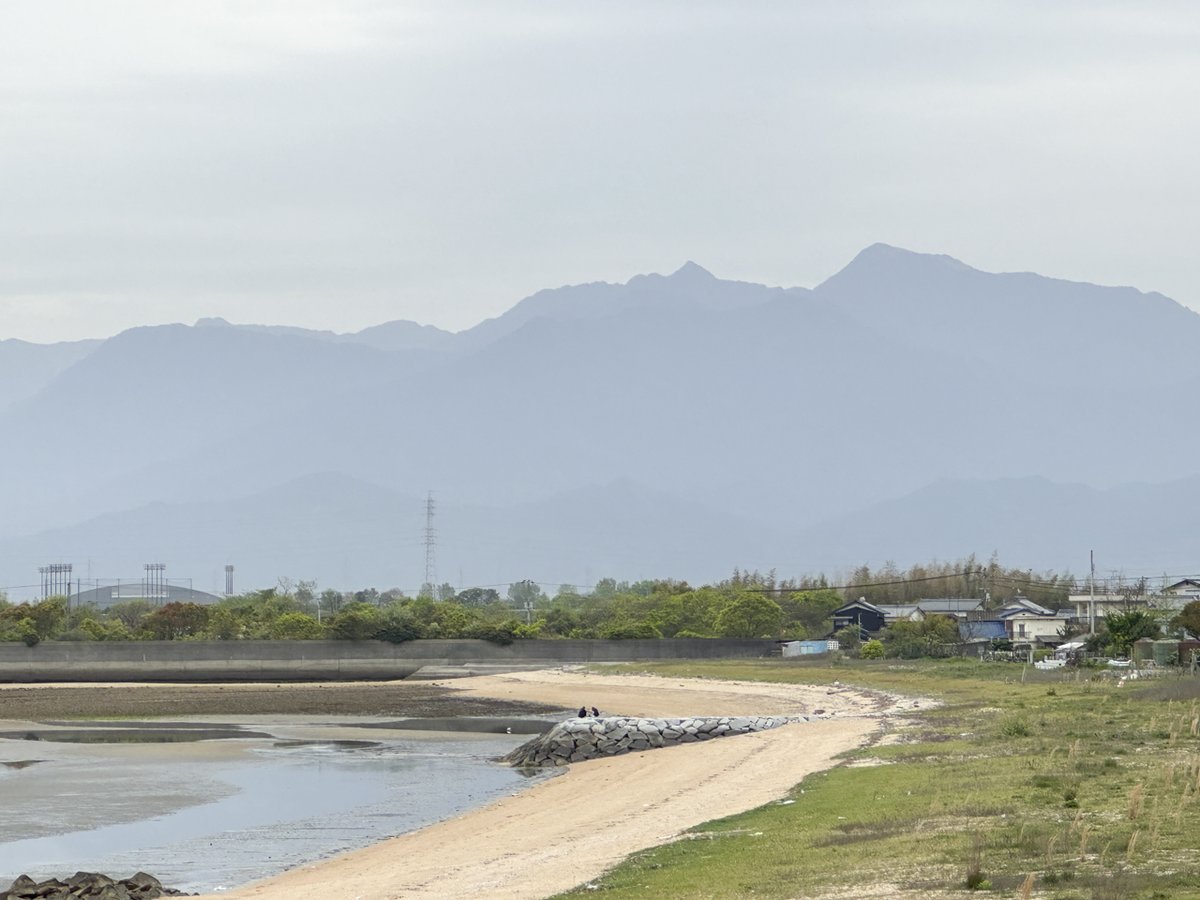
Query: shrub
{"x":356,"y":622}
{"x":504,"y":633}
{"x":77,"y":634}
{"x":20,"y":630}
{"x":398,"y":628}
{"x":1014,"y":727}
{"x":872,"y":649}
{"x":296,"y":626}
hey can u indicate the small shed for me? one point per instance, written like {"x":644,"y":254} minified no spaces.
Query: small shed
{"x":1166,"y":652}
{"x":808,"y":648}
{"x":1143,"y":650}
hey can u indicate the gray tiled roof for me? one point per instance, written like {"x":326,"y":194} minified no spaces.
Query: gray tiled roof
{"x":949,"y":604}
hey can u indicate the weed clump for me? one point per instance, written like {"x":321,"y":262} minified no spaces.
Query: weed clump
{"x":1016,"y":726}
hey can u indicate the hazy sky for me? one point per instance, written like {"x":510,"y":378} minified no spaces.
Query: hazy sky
{"x":339,"y":164}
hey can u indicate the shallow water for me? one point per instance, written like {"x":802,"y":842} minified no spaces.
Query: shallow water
{"x":204,"y":817}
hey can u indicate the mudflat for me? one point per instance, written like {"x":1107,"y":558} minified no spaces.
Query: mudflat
{"x":408,"y":699}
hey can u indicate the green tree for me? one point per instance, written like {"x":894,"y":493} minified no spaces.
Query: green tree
{"x":813,"y":610}
{"x":1189,"y":618}
{"x":173,"y":621}
{"x":369,"y":595}
{"x":224,"y":624}
{"x":296,"y":626}
{"x":1123,"y":628}
{"x":398,"y":626}
{"x":130,"y":613}
{"x":605,"y":589}
{"x":522,"y":592}
{"x":933,"y":636}
{"x":115,"y":630}
{"x":306,"y":594}
{"x":94,"y":628}
{"x":478,"y":597}
{"x":48,"y":617}
{"x":330,"y":601}
{"x":560,"y":620}
{"x":356,"y":622}
{"x":749,"y":615}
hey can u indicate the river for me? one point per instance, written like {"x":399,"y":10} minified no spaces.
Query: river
{"x":209,"y":815}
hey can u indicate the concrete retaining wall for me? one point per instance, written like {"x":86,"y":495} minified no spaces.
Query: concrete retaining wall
{"x":576,"y":740}
{"x":332,"y":660}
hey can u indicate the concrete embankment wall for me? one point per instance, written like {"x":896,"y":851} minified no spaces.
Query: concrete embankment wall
{"x":333,"y":660}
{"x":576,"y":740}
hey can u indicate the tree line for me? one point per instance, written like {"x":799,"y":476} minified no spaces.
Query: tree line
{"x":745,"y":605}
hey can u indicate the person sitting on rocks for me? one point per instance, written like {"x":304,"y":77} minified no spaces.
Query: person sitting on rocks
{"x":595,"y":713}
{"x":583,"y":712}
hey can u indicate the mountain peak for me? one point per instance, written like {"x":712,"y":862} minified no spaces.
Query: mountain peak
{"x":690,"y":271}
{"x":881,"y":265}
{"x":880,"y":254}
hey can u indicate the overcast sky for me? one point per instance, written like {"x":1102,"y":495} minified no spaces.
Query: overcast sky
{"x":335,"y":165}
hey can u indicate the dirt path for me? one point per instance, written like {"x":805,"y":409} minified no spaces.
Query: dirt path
{"x":565,"y":831}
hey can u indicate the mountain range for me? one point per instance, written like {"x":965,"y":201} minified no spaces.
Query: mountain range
{"x":908,"y":408}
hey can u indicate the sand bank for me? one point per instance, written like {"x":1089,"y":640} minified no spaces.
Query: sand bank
{"x":567,"y":830}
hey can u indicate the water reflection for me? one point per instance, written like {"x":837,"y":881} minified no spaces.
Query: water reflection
{"x":238,"y":816}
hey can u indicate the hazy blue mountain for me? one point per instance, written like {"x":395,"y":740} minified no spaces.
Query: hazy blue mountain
{"x":685,"y":291}
{"x":346,"y":532}
{"x":400,"y":335}
{"x":778,"y":411}
{"x":26,"y":368}
{"x":1135,"y":529}
{"x":1036,"y":328}
{"x":162,"y":393}
{"x":404,"y":336}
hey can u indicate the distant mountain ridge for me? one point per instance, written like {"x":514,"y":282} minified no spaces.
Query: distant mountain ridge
{"x":26,"y":368}
{"x":801,"y":427}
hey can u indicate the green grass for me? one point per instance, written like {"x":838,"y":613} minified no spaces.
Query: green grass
{"x":1089,"y":787}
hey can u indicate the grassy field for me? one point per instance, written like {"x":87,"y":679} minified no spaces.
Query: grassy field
{"x":1021,"y":783}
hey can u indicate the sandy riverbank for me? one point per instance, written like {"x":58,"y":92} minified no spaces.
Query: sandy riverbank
{"x":565,"y":831}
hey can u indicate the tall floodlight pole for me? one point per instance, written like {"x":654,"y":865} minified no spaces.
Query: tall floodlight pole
{"x":56,"y":580}
{"x":430,"y":544}
{"x":154,"y":583}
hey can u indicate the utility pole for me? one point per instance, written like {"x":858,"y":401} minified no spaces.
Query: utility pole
{"x":1092,"y":594}
{"x":430,"y":545}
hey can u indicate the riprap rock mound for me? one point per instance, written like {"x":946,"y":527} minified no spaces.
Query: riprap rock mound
{"x":89,"y":886}
{"x":579,"y":739}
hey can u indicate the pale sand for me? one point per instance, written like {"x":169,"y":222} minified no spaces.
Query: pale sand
{"x":565,"y":831}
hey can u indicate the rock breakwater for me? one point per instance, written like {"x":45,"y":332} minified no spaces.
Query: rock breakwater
{"x":579,"y":739}
{"x":89,"y":886}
